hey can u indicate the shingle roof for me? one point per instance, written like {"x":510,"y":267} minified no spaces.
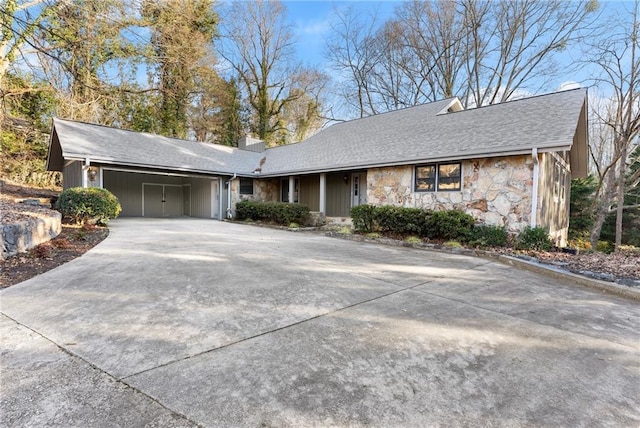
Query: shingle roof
{"x":419,"y":134}
{"x":412,"y":135}
{"x":103,"y":144}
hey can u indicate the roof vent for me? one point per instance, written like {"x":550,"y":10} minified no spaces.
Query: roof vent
{"x":452,"y":107}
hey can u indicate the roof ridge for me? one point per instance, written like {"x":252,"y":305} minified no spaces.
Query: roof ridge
{"x":527,"y":98}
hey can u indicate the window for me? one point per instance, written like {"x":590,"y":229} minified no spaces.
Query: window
{"x":284,"y":190}
{"x":438,"y":177}
{"x":559,"y":182}
{"x":246,"y":186}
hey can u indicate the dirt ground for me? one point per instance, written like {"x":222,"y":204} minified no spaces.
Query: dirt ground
{"x":74,"y":241}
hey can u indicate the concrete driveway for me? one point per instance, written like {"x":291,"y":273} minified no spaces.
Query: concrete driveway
{"x":202,"y":323}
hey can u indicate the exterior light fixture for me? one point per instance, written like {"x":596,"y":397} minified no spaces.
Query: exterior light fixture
{"x":92,"y":173}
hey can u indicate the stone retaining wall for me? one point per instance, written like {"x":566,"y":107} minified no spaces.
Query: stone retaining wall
{"x":19,"y":237}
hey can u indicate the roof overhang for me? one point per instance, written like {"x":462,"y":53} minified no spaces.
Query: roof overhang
{"x":141,"y":166}
{"x":419,"y":161}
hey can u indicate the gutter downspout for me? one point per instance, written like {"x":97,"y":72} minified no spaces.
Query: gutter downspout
{"x":534,"y":190}
{"x":229,"y":214}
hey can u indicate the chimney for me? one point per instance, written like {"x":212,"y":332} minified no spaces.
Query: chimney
{"x":251,"y":144}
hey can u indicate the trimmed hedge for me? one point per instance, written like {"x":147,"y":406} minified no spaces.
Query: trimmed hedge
{"x":401,"y":221}
{"x":88,"y":205}
{"x":449,"y":225}
{"x":453,"y":224}
{"x":272,"y":212}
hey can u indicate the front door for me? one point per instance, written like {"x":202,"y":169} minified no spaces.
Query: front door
{"x":358,"y":189}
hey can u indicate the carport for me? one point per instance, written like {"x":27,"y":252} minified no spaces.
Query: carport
{"x":152,"y":176}
{"x":144,"y":194}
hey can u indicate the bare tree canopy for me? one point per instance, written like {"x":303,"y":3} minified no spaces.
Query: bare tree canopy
{"x":482,"y":51}
{"x":258,"y":45}
{"x":616,"y":117}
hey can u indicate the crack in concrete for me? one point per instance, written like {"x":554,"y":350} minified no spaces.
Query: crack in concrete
{"x":73,"y":355}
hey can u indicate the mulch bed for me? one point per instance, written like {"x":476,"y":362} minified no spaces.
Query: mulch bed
{"x":72,"y":242}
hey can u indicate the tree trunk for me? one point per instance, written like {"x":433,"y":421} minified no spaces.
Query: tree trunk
{"x":620,"y":198}
{"x":601,"y":206}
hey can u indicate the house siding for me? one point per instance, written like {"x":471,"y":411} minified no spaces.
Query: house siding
{"x":496,"y":191}
{"x":200,"y":198}
{"x":310,"y":192}
{"x":338,"y":195}
{"x":553,"y":196}
{"x":72,"y":175}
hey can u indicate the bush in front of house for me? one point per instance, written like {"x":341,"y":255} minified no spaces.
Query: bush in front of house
{"x":483,"y":235}
{"x":449,"y":225}
{"x":389,"y":219}
{"x":272,"y":212}
{"x":534,"y":238}
{"x":88,"y":205}
{"x":401,"y":220}
{"x":364,"y":218}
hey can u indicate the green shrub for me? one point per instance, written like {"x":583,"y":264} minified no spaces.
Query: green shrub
{"x":400,"y":220}
{"x":363,"y":218}
{"x":534,"y":238}
{"x":82,"y":205}
{"x":483,"y":235}
{"x":451,"y":224}
{"x":605,"y":247}
{"x":272,"y":212}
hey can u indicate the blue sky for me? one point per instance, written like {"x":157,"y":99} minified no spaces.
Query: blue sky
{"x":311,"y":20}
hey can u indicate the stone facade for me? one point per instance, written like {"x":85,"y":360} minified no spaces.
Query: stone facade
{"x":496,"y":191}
{"x":263,"y":190}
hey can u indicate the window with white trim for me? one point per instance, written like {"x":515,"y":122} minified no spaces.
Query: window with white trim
{"x":441,"y":177}
{"x":246,"y":186}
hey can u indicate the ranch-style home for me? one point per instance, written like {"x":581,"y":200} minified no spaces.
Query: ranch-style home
{"x":507,"y":164}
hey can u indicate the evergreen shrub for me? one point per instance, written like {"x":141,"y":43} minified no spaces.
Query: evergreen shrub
{"x":534,"y":238}
{"x":88,"y":205}
{"x":272,"y":212}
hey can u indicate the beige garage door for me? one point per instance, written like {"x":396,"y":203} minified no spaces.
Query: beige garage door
{"x":162,"y":200}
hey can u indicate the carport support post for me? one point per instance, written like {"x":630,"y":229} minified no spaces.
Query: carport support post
{"x":292,"y":184}
{"x":323,"y":192}
{"x":85,"y":171}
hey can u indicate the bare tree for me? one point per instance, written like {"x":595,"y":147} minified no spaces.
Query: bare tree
{"x":258,"y":45}
{"x":618,"y":59}
{"x":483,"y":51}
{"x":352,"y":53}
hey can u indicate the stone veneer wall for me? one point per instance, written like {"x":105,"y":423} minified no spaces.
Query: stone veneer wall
{"x":263,"y":190}
{"x":496,"y":191}
{"x":19,"y":237}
